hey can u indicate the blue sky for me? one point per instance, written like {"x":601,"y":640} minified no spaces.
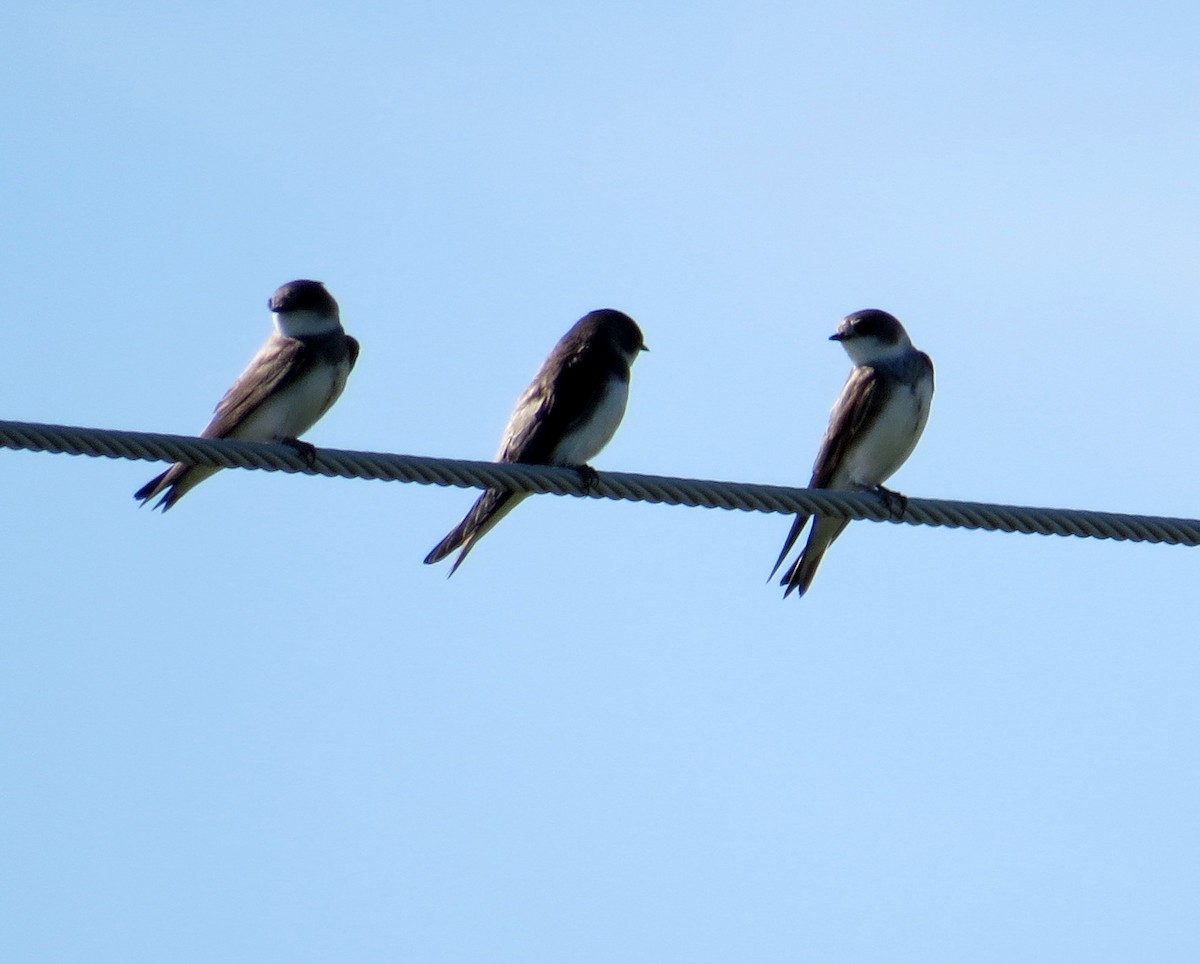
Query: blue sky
{"x":258,"y":729}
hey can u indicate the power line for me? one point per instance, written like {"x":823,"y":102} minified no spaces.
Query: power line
{"x":745,"y":496}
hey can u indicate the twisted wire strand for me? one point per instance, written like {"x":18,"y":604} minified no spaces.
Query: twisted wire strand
{"x":744,"y":496}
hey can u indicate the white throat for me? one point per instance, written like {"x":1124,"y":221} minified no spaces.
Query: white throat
{"x":870,"y":351}
{"x":305,"y":324}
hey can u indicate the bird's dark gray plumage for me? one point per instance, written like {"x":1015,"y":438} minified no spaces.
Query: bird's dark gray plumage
{"x":568,"y":413}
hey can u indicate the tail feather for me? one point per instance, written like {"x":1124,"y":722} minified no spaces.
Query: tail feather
{"x":800,"y":576}
{"x":455,"y":538}
{"x":797,"y":527}
{"x":174,"y":483}
{"x":151,"y":488}
{"x":488,"y":509}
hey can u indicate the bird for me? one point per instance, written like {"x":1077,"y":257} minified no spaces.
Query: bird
{"x":292,"y":381}
{"x":873,"y":428}
{"x":566,"y":415}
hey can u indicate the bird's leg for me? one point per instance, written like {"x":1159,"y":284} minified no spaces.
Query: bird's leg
{"x":896,"y":502}
{"x":588,"y":477}
{"x":306,"y":450}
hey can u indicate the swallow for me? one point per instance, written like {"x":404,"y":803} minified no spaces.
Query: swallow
{"x":296,"y":376}
{"x":569,"y":412}
{"x":874,"y":426}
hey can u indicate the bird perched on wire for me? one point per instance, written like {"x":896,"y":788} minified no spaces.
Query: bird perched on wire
{"x":293,"y":380}
{"x":569,"y":412}
{"x":874,"y":426}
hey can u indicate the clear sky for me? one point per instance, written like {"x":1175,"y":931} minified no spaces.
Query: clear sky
{"x":259,"y":729}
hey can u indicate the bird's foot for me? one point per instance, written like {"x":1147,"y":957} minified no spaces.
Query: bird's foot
{"x":588,"y":477}
{"x":306,"y":450}
{"x":896,"y":502}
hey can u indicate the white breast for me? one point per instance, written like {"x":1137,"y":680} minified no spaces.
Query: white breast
{"x":885,"y":444}
{"x":585,"y":443}
{"x":291,"y":413}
